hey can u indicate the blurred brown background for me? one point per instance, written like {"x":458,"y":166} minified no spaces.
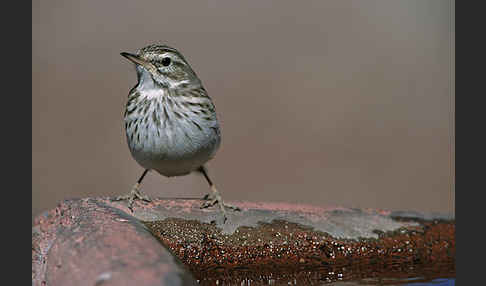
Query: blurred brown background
{"x":347,"y":103}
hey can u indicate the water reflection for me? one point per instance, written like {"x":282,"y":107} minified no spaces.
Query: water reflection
{"x":436,"y":282}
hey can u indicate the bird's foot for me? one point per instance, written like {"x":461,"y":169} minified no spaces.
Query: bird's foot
{"x":215,"y":198}
{"x":135,"y":194}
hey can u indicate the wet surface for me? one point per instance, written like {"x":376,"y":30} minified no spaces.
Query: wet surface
{"x":282,"y":252}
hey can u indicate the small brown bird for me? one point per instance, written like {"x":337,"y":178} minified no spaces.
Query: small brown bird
{"x":170,"y":121}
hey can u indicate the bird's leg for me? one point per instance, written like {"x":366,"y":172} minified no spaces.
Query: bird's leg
{"x":214,"y":197}
{"x":135,"y":193}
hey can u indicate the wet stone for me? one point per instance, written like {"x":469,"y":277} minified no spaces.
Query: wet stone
{"x":286,"y":252}
{"x":175,"y":242}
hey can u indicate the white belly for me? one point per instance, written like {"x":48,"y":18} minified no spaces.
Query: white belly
{"x":172,"y":147}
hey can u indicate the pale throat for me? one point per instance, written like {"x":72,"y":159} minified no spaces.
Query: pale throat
{"x":147,"y":84}
{"x":147,"y":87}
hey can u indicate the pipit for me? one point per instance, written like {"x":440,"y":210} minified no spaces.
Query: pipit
{"x":170,"y":121}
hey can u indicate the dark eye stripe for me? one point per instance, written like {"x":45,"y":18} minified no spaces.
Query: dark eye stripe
{"x":174,"y":62}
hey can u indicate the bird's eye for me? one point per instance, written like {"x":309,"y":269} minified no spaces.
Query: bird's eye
{"x":166,"y":61}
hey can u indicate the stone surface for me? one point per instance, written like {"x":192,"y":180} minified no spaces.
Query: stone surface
{"x":87,"y":242}
{"x":280,"y":243}
{"x":285,"y":252}
{"x":100,"y":242}
{"x":336,"y":221}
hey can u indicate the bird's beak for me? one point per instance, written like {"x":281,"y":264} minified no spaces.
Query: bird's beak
{"x":137,"y":60}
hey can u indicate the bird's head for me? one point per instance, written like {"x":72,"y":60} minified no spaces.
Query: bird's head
{"x":162,"y":66}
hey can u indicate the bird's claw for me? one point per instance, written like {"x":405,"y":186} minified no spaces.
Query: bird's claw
{"x":135,"y":194}
{"x":215,"y":198}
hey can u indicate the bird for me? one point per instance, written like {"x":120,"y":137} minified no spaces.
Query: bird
{"x":170,"y":121}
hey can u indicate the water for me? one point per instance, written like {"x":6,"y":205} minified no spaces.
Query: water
{"x":325,"y":276}
{"x":435,"y":282}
